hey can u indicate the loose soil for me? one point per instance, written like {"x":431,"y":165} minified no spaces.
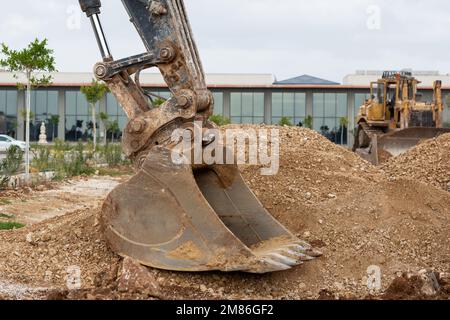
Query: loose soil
{"x":55,"y":199}
{"x":358,"y":215}
{"x":429,"y":163}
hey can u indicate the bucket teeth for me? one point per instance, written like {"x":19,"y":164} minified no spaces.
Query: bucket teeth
{"x":284,"y":259}
{"x":297,"y":248}
{"x":306,"y":250}
{"x":274,"y":265}
{"x":303,"y":244}
{"x":314,"y":253}
{"x":298,"y":255}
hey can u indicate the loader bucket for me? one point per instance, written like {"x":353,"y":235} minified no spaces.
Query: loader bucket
{"x":184,"y":218}
{"x":395,"y":143}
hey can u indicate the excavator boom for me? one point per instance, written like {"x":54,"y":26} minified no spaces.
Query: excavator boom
{"x":176,"y":215}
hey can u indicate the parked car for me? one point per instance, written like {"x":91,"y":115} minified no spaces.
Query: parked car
{"x":6,"y":142}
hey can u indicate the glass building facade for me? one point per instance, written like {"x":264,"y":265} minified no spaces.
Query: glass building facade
{"x":8,"y":111}
{"x":44,"y":106}
{"x":247,"y":107}
{"x":78,"y":117}
{"x":115,"y":113}
{"x":291,"y":105}
{"x":68,"y":116}
{"x":328,"y":109}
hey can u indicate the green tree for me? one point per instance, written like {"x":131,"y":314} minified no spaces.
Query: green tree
{"x":10,"y":165}
{"x":285,"y":121}
{"x":343,"y":122}
{"x":113,"y":127}
{"x":104,"y":119}
{"x":158,"y":102}
{"x":219,"y":120}
{"x":309,"y":122}
{"x":28,"y":62}
{"x":94,"y":93}
{"x":23,"y":113}
{"x":54,"y":120}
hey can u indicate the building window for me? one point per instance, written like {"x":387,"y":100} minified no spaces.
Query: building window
{"x":8,"y":112}
{"x":79,"y":125}
{"x":328,"y":109}
{"x":289,"y":105}
{"x":218,"y":103}
{"x":247,"y":107}
{"x":44,"y":105}
{"x":116,"y":114}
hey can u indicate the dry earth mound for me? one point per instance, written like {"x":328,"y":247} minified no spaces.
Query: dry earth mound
{"x":323,"y":193}
{"x":428,"y":162}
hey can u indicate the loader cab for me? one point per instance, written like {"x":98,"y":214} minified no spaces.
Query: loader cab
{"x":378,"y":92}
{"x":390,"y":92}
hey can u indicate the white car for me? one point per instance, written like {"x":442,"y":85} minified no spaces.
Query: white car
{"x":6,"y":142}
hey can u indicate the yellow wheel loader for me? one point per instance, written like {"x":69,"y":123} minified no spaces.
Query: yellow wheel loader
{"x":394,"y":119}
{"x":172,"y":214}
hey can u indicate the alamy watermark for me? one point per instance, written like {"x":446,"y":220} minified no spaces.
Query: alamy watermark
{"x":73,"y":278}
{"x":200,"y":146}
{"x":74,"y":16}
{"x":374,"y":278}
{"x":373,"y":17}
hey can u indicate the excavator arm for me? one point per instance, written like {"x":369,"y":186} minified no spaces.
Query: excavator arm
{"x":166,"y":33}
{"x":176,"y":215}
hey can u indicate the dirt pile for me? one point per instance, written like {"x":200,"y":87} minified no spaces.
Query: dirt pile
{"x":429,"y":162}
{"x":353,"y":213}
{"x":350,"y":210}
{"x":312,"y":169}
{"x":45,"y":254}
{"x":419,"y":286}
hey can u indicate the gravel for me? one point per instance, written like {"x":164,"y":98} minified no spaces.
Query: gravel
{"x":358,"y":215}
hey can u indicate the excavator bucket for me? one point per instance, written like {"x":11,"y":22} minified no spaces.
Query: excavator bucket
{"x":385,"y":146}
{"x":201,"y":219}
{"x":177,"y":215}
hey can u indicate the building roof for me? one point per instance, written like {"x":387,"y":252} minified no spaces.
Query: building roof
{"x":213,"y":80}
{"x":365,"y":77}
{"x":307,"y":79}
{"x":152,"y":79}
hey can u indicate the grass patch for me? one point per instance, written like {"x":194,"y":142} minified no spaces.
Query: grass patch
{"x":10,"y":225}
{"x":5,"y":201}
{"x":6,"y":216}
{"x":116,"y":172}
{"x":69,"y":160}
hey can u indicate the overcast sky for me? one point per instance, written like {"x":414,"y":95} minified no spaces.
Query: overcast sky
{"x":324,"y":38}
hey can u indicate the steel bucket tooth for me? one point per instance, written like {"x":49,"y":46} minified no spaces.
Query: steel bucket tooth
{"x":171,"y":216}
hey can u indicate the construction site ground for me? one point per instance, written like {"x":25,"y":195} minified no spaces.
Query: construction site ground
{"x":395,"y":217}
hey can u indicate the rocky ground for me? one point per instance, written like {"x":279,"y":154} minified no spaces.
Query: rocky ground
{"x":429,"y":162}
{"x":30,"y":206}
{"x":359,"y":216}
